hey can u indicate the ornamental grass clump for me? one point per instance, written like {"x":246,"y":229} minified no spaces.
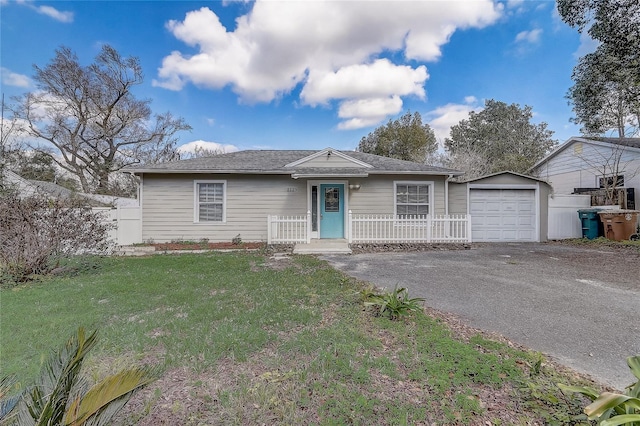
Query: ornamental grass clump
{"x":394,"y":304}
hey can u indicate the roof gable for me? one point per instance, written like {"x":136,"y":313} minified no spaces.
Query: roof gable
{"x":627,"y":144}
{"x":328,"y":157}
{"x":505,"y":173}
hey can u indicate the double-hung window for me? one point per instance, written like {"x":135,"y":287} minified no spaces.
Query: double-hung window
{"x":210,"y":197}
{"x":412,"y":199}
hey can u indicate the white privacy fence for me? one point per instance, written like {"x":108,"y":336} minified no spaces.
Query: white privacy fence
{"x":564,"y":221}
{"x":289,"y":229}
{"x":368,"y":228}
{"x":399,"y":229}
{"x":126,"y":224}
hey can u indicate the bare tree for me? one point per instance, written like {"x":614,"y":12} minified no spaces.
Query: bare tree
{"x":93,"y":120}
{"x":611,"y":167}
{"x":11,"y":131}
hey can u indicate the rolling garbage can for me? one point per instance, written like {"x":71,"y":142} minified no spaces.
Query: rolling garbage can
{"x":592,"y":226}
{"x":619,"y":225}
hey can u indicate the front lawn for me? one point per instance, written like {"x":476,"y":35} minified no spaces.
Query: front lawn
{"x":245,"y":339}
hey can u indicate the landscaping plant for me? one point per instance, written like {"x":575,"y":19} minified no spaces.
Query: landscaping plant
{"x":36,"y":232}
{"x":61,"y":396}
{"x":612,"y":409}
{"x":395,"y":304}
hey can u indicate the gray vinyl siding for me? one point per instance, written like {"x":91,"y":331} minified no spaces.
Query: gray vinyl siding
{"x":457,"y":198}
{"x":375,"y":195}
{"x":168,"y":203}
{"x":168,"y":206}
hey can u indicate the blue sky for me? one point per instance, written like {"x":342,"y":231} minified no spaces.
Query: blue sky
{"x":310,"y":74}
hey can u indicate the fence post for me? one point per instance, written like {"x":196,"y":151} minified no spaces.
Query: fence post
{"x":308,"y":236}
{"x":349,"y":226}
{"x":468,"y":228}
{"x":268,"y":229}
{"x":429,"y":225}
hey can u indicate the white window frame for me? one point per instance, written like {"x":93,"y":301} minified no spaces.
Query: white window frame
{"x":196,"y":202}
{"x":619,"y":178}
{"x":428,"y":183}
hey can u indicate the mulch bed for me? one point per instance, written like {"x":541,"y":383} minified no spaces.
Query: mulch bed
{"x":206,"y":246}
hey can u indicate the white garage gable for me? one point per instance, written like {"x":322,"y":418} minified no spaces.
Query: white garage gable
{"x":503,"y":215}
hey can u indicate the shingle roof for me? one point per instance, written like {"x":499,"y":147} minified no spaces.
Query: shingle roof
{"x":632,"y":142}
{"x":274,"y":162}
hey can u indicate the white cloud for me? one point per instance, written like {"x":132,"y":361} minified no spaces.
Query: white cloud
{"x":209,"y":146}
{"x":532,"y":36}
{"x":50,"y":11}
{"x":11,"y":78}
{"x":367,"y":112}
{"x":381,"y":78}
{"x":320,"y":45}
{"x":54,"y":13}
{"x":442,"y":118}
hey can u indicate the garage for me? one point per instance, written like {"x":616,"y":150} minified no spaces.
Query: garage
{"x":504,"y":207}
{"x":499,"y":215}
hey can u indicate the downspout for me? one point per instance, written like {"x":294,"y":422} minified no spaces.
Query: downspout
{"x":446,"y":194}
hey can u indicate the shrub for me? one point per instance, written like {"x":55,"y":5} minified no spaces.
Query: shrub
{"x":394,"y":304}
{"x":61,"y":395}
{"x":611,"y":409}
{"x":36,"y":232}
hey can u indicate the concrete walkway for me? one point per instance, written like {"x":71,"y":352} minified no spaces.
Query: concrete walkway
{"x":323,"y":246}
{"x":580,"y":306}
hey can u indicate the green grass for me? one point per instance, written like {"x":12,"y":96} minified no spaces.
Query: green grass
{"x":257,"y":341}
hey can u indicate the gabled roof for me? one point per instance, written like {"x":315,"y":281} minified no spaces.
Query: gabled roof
{"x":292,"y":162}
{"x":506,"y":172}
{"x":631,"y":144}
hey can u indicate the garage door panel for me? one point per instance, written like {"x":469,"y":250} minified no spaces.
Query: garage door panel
{"x":502,"y":215}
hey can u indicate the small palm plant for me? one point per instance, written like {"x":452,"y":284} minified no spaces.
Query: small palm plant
{"x":394,"y":304}
{"x":613,"y":409}
{"x":62,"y":397}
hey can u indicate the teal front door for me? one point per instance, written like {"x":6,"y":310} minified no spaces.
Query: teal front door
{"x":331,"y":210}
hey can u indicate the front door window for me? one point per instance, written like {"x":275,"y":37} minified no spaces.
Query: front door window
{"x":332,"y":200}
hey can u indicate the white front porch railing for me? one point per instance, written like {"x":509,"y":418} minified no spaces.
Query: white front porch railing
{"x":369,"y":228}
{"x":365,"y":228}
{"x":289,"y":229}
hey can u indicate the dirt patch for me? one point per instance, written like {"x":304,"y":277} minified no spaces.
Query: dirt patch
{"x":272,"y":388}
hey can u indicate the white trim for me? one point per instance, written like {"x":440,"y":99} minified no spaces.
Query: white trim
{"x":502,"y":186}
{"x":311,"y":183}
{"x":326,"y":151}
{"x":196,"y":204}
{"x":429,"y":183}
{"x":140,"y":200}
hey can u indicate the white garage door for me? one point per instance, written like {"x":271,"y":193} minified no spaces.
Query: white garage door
{"x":503,"y":214}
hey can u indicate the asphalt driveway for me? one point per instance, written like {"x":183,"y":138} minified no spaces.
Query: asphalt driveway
{"x":580,"y":306}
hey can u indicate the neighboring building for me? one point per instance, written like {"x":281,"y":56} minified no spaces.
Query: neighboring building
{"x":27,"y":187}
{"x":592,"y":166}
{"x":328,"y":194}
